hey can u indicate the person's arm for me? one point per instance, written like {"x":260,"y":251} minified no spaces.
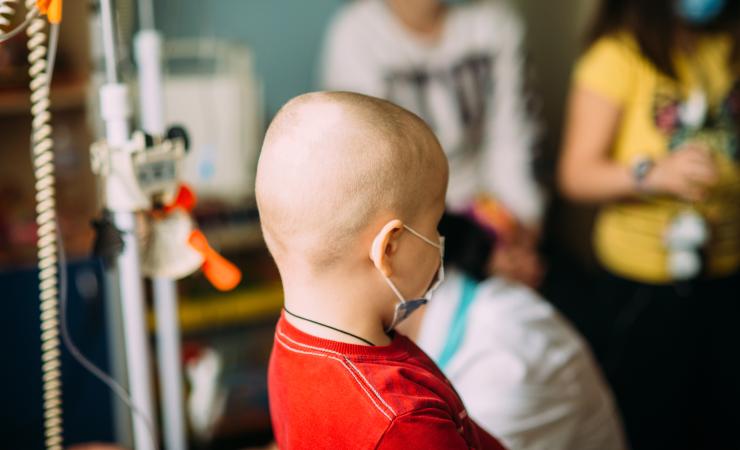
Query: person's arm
{"x":511,"y":131}
{"x":430,"y":429}
{"x":588,"y":174}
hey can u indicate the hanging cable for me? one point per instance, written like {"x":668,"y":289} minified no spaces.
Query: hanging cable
{"x":88,"y":365}
{"x":52,"y":52}
{"x":46,"y":221}
{"x":6,"y":12}
{"x":50,"y":245}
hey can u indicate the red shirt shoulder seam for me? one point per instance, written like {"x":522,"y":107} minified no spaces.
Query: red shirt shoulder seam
{"x":297,"y":347}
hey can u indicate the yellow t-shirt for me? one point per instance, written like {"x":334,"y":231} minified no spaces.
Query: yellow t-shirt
{"x":630,"y":235}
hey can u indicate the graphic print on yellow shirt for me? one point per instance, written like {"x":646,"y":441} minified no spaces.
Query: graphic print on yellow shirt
{"x":718,"y":130}
{"x":659,"y":116}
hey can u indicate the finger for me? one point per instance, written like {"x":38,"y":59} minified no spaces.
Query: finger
{"x":696,"y":155}
{"x":698,"y":161}
{"x":693,"y":193}
{"x":695,"y":147}
{"x":701,"y":174}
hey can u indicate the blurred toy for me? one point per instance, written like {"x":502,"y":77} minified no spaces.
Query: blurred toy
{"x":175,"y":248}
{"x":491,"y":215}
{"x":514,"y":256}
{"x":686,"y":235}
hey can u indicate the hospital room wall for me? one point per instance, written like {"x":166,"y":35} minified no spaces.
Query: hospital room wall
{"x":555,"y":32}
{"x":286,"y":37}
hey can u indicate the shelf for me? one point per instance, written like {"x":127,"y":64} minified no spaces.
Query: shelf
{"x":67,"y":93}
{"x":228,"y":309}
{"x":235,"y":237}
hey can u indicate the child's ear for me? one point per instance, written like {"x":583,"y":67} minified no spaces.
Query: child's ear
{"x":384,"y":245}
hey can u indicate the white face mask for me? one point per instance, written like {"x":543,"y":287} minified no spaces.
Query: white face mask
{"x":404,"y":307}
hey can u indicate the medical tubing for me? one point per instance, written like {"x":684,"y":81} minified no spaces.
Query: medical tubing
{"x":46,"y":221}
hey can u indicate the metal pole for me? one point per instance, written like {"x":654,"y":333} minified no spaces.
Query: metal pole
{"x":122,"y":425}
{"x":168,"y":356}
{"x":148,"y":45}
{"x":134,"y":323}
{"x":115,"y":110}
{"x":109,"y":41}
{"x":148,"y":50}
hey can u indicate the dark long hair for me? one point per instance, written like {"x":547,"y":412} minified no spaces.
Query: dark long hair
{"x":654,"y":24}
{"x":467,"y":246}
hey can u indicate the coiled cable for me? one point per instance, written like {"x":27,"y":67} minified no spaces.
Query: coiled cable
{"x":46,"y":221}
{"x":6,"y":12}
{"x":50,"y":250}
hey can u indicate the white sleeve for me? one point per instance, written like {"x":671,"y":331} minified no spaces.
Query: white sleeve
{"x":517,"y":378}
{"x":507,"y":166}
{"x":346,"y":63}
{"x":527,"y":377}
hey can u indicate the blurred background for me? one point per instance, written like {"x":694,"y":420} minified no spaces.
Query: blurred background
{"x":229,"y":65}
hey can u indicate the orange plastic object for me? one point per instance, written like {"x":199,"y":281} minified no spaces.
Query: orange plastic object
{"x":52,"y":9}
{"x":222,"y":274}
{"x":491,"y":213}
{"x":184,"y":199}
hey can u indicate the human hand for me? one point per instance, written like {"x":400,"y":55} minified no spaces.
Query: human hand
{"x":687,"y":173}
{"x":517,"y":259}
{"x":95,"y":446}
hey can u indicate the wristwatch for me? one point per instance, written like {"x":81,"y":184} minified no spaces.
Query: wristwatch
{"x":640,"y":170}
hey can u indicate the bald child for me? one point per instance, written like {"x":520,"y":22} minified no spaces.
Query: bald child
{"x":350,"y":190}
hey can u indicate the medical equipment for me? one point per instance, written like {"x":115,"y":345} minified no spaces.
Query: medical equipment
{"x":147,"y":174}
{"x":139,"y":171}
{"x":41,"y":64}
{"x":210,"y":89}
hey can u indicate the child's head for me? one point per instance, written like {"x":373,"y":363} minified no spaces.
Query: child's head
{"x":342,"y":173}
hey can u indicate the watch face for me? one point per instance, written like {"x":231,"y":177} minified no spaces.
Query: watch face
{"x":642,"y":168}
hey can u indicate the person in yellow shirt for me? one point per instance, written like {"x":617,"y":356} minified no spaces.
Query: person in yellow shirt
{"x":653,"y":136}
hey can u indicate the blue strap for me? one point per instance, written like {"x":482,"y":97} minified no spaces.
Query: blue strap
{"x":457,"y":329}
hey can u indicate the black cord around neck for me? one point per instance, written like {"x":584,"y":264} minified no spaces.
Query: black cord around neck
{"x":330,"y":327}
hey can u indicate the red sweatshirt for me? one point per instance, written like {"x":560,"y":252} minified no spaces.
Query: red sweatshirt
{"x":332,"y":395}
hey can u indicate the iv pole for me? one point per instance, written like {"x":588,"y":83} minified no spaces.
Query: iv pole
{"x":148,"y":49}
{"x":116,"y":113}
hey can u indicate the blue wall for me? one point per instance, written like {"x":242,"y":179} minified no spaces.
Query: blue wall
{"x":284,"y":35}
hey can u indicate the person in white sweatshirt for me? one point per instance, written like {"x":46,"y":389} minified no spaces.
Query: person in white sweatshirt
{"x":460,"y":67}
{"x":522,"y":371}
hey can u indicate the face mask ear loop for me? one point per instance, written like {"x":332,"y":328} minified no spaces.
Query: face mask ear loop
{"x":394,"y":289}
{"x":395,"y":312}
{"x":422,"y":237}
